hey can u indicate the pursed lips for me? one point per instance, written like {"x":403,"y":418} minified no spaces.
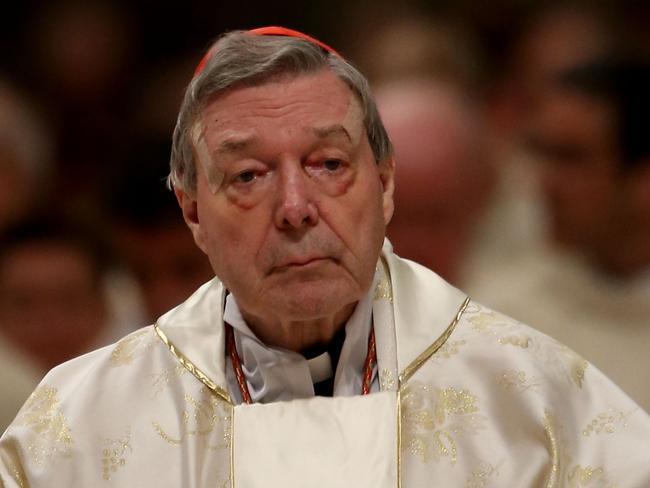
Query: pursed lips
{"x":301,"y":262}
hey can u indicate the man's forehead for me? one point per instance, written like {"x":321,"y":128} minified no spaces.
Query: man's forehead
{"x":318,"y":104}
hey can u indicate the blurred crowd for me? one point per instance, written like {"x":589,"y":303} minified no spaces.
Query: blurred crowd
{"x":522,"y":156}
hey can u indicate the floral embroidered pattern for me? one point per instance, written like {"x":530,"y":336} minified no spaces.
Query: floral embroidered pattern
{"x":556,"y":357}
{"x":207,"y":419}
{"x":517,"y":381}
{"x":162,"y":380}
{"x":561,"y":474}
{"x":480,"y":476}
{"x":115,"y":453}
{"x":132,"y":346}
{"x":522,"y":341}
{"x":606,"y":422}
{"x":449,"y":349}
{"x":588,"y":476}
{"x":52,"y":436}
{"x":433,"y":419}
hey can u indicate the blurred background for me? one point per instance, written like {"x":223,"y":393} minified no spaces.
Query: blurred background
{"x":523,"y":169}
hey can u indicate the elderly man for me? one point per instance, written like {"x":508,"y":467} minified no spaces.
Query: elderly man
{"x":317,"y":357}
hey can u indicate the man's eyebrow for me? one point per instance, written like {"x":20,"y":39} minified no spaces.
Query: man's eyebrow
{"x":332,"y":130}
{"x":234,"y":144}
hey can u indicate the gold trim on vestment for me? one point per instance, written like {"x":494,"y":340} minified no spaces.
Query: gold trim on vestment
{"x":431,"y":350}
{"x":232,"y":446}
{"x":399,"y":440}
{"x":189,"y":365}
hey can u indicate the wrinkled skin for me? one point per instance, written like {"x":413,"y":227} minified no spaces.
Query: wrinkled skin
{"x":290,"y":206}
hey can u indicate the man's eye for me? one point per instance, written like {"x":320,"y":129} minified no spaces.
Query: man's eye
{"x":332,"y":164}
{"x":245,"y":177}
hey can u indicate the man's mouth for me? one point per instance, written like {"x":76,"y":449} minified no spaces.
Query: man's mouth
{"x":303,"y":262}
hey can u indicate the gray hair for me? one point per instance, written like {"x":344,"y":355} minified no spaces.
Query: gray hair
{"x":241,"y":58}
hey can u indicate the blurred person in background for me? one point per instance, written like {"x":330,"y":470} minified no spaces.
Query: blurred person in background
{"x":25,"y":154}
{"x":443,"y":174}
{"x":54,"y":303}
{"x":552,"y":37}
{"x":24,"y":169}
{"x":151,"y":235}
{"x":589,"y":284}
{"x":77,"y":60}
{"x":472,"y":209}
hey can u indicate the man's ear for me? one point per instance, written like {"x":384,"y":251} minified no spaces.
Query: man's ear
{"x":387,"y":176}
{"x":189,"y":207}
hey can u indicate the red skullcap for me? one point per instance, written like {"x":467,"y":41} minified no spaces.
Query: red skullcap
{"x":271,"y":30}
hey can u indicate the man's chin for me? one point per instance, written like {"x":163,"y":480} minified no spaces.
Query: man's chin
{"x":313,"y":300}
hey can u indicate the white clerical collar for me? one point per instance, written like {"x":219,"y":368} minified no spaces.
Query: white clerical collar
{"x":320,"y":367}
{"x":276,"y":374}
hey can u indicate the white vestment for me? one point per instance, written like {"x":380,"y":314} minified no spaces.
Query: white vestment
{"x":468,"y":398}
{"x":606,"y":321}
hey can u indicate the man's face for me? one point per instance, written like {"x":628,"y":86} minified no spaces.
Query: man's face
{"x":574,"y":137}
{"x":50,"y":302}
{"x":290,"y":205}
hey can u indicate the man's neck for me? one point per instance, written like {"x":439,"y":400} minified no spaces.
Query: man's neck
{"x":299,"y":335}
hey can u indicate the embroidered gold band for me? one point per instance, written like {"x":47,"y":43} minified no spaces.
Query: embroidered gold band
{"x":200,"y":375}
{"x":431,"y":350}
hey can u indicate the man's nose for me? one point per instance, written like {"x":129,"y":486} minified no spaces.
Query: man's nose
{"x":296,"y":204}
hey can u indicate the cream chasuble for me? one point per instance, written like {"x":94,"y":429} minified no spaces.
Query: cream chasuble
{"x":468,"y":398}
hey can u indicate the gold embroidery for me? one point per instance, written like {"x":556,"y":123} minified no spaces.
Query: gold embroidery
{"x":114,"y":454}
{"x":588,"y":476}
{"x":231,"y":434}
{"x":606,"y":422}
{"x":560,"y":474}
{"x":130,"y":347}
{"x":551,"y":429}
{"x":450,"y":349}
{"x":481,"y":475}
{"x":52,"y":434}
{"x":484,"y":321}
{"x":433,"y":348}
{"x":517,"y":380}
{"x":556,"y":357}
{"x":577,"y":366}
{"x":162,"y":380}
{"x":432,"y":420}
{"x":189,"y":365}
{"x":514,"y":340}
{"x":384,"y":290}
{"x":17,"y":474}
{"x":386,"y":379}
{"x":200,"y":419}
{"x":399,"y":439}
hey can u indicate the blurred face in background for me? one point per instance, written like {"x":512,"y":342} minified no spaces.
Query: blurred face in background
{"x":169,"y":274}
{"x":574,"y":139}
{"x":443,"y":177}
{"x":51,"y":303}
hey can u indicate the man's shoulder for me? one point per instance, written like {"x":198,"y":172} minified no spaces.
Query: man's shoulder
{"x":123,"y":352}
{"x":514,"y":357}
